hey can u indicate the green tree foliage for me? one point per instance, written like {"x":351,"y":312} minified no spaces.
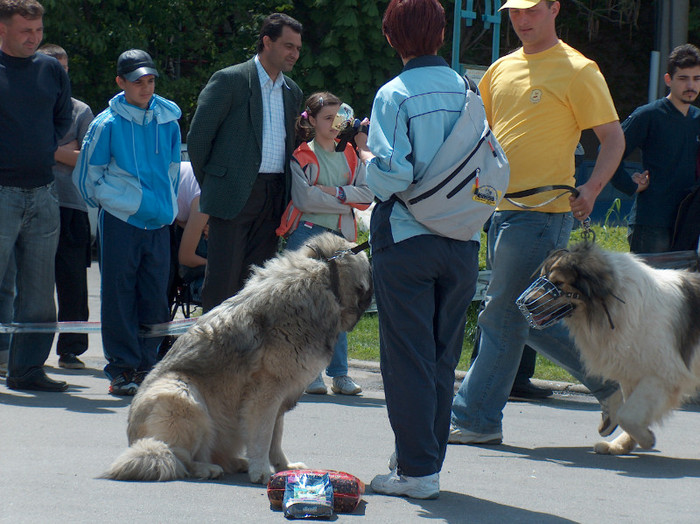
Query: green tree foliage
{"x":344,"y":50}
{"x":188,"y":39}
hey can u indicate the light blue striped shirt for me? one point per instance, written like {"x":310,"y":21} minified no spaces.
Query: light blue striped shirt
{"x":274,"y":132}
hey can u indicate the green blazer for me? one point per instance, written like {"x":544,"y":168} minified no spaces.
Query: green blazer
{"x":225,"y":138}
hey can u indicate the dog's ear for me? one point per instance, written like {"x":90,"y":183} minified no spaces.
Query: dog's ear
{"x":326,"y":245}
{"x":583,"y":284}
{"x":546,"y":266}
{"x":594,"y":277}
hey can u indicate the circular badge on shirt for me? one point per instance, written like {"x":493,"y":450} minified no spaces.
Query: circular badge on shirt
{"x":535,"y":96}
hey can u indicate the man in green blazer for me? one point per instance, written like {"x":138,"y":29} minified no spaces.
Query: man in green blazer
{"x":240,"y":143}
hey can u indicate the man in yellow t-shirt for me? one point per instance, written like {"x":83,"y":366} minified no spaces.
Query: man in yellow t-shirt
{"x":538,"y":99}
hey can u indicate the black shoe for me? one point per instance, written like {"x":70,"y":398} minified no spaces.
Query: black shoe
{"x":528,"y":391}
{"x":123,"y":385}
{"x":70,"y":361}
{"x":36,"y":380}
{"x":139,"y":377}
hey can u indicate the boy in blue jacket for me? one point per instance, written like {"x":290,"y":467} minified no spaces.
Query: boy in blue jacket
{"x":129,"y":167}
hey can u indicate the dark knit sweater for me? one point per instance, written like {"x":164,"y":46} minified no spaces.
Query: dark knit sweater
{"x":669,"y":144}
{"x":35,"y":112}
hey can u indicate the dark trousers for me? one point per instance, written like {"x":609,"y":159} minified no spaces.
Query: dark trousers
{"x":72,"y":259}
{"x":649,"y":239}
{"x":134,"y":264}
{"x":423,"y":287}
{"x":237,"y":244}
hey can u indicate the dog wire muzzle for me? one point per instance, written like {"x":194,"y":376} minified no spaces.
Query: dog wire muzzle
{"x":543,"y":304}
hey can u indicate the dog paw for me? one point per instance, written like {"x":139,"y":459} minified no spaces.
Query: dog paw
{"x":641,"y":434}
{"x":645,"y":439}
{"x":203,"y":470}
{"x":294,"y":465}
{"x":259,"y":475}
{"x":622,"y":445}
{"x":602,"y":448}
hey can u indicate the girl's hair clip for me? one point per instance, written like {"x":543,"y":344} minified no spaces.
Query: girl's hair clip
{"x":305,"y":115}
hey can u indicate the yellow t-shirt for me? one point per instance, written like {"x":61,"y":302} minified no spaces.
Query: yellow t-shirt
{"x":537,"y":105}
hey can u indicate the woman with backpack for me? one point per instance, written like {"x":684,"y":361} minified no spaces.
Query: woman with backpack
{"x":423,"y":281}
{"x":327,"y":185}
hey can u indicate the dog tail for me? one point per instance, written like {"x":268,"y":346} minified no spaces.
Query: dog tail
{"x":147,"y":459}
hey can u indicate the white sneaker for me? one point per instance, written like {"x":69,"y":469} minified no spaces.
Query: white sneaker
{"x":317,"y":387}
{"x":608,"y":416}
{"x":464,"y":436}
{"x":427,"y":487}
{"x":345,"y":386}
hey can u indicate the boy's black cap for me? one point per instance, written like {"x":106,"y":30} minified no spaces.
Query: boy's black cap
{"x":135,"y":63}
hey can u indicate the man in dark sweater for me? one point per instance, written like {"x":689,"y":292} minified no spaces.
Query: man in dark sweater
{"x":667,"y":132}
{"x":35,"y":112}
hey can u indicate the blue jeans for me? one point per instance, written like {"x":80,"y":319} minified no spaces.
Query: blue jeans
{"x":339,"y":363}
{"x":30,"y":229}
{"x":423,"y":286}
{"x":7,"y":308}
{"x":519,"y":242}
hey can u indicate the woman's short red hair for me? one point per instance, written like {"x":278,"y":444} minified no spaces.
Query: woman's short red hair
{"x":414,"y":27}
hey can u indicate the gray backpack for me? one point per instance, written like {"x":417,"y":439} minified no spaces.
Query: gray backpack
{"x":465,"y":181}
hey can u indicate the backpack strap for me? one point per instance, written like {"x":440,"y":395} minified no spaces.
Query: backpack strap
{"x":471,"y":85}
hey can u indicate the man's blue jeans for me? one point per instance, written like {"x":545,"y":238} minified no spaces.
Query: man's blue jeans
{"x":30,"y":228}
{"x":519,"y":241}
{"x":339,"y":363}
{"x":7,"y":308}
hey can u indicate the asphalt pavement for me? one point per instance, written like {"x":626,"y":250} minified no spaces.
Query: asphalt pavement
{"x":54,"y":446}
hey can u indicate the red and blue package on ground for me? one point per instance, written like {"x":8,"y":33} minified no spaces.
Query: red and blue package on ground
{"x":346,"y":489}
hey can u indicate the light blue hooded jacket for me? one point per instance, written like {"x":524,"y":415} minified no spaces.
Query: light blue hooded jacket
{"x":129,"y":163}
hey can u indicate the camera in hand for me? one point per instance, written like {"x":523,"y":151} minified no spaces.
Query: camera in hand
{"x":348,"y":126}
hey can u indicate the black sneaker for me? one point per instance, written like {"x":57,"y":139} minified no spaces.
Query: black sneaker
{"x":70,"y":361}
{"x":528,"y":391}
{"x":124,"y":385}
{"x":139,"y":377}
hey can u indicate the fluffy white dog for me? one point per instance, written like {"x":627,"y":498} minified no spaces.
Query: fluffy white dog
{"x":633,"y":324}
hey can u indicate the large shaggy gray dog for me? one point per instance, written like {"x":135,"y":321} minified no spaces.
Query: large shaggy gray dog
{"x":215,"y":404}
{"x":633,"y":324}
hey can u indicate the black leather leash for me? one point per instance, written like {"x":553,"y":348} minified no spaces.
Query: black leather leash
{"x":537,"y":190}
{"x":333,"y":265}
{"x":588,"y":234}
